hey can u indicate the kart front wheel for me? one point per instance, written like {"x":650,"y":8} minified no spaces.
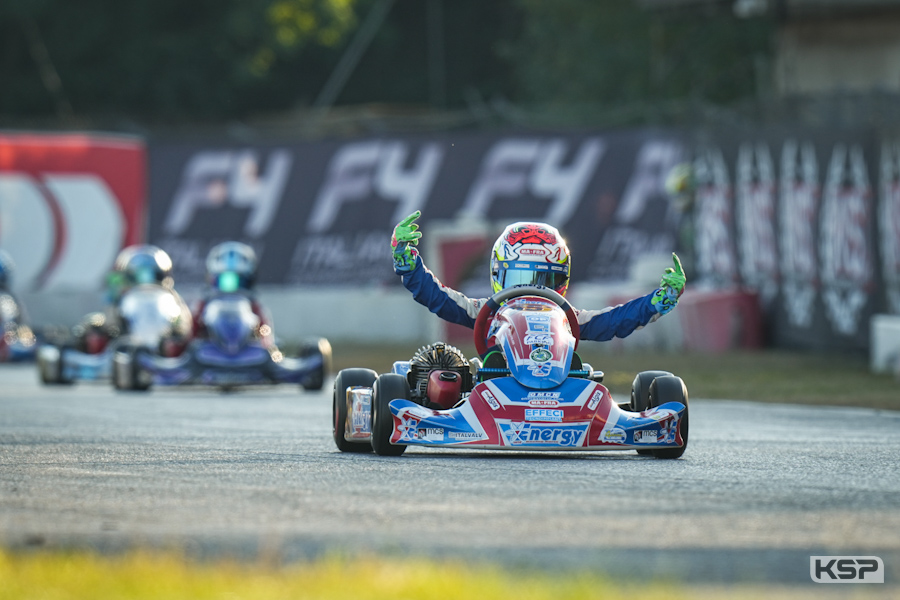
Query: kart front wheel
{"x":671,"y":389}
{"x":316,"y":380}
{"x":640,"y":395}
{"x":387,"y":387}
{"x":348,"y":378}
{"x":50,"y":365}
{"x":126,"y":373}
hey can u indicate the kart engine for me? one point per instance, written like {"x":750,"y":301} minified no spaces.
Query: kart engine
{"x":438,"y":374}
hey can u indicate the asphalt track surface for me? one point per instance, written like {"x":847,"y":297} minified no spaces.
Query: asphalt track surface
{"x":255,"y":473}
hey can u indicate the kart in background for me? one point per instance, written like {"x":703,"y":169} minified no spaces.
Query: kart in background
{"x":232,"y":356}
{"x":532,"y":394}
{"x":17,"y":340}
{"x":149,"y":314}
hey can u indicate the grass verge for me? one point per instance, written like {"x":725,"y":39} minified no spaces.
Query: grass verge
{"x":168,"y":576}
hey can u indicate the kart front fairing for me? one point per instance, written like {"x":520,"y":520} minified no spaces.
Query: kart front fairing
{"x":501,"y":414}
{"x":536,"y":340}
{"x":231,"y":322}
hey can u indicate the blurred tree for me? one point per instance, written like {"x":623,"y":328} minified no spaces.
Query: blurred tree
{"x":613,"y":53}
{"x":396,"y":68}
{"x":165,"y":59}
{"x":170,"y":61}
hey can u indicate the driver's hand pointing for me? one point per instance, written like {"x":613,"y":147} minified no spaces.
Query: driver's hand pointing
{"x":671,"y":286}
{"x":405,"y":237}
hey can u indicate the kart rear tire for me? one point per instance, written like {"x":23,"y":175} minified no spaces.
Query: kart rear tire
{"x":345,"y":379}
{"x":671,"y":389}
{"x":388,"y":386}
{"x":640,"y":389}
{"x":640,"y":395}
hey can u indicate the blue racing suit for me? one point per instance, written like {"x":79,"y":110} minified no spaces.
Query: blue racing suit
{"x":596,"y":325}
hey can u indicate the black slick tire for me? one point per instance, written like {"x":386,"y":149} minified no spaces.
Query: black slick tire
{"x":387,"y":387}
{"x":671,"y":389}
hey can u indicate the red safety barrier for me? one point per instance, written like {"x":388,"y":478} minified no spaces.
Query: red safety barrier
{"x":720,"y":320}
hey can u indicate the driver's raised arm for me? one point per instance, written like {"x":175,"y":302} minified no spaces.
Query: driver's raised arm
{"x":616,"y":321}
{"x":622,"y":320}
{"x":443,"y":301}
{"x":426,"y":289}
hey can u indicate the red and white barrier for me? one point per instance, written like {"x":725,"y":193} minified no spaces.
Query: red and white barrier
{"x":68,"y":204}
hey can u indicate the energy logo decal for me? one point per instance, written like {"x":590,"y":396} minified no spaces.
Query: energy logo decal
{"x":525,"y":434}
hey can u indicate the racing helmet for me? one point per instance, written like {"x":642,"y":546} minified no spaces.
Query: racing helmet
{"x":530,"y":254}
{"x":144,"y":263}
{"x":7,"y":266}
{"x":231,"y":266}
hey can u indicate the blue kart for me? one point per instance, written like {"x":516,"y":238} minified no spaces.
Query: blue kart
{"x":232,"y":356}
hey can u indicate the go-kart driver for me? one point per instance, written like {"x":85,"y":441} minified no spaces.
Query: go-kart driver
{"x":13,"y":318}
{"x":528,"y":253}
{"x":134,"y":265}
{"x":231,"y":269}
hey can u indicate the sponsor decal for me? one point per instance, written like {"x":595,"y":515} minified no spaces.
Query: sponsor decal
{"x":430,"y":434}
{"x":362,"y":409}
{"x":543,"y":402}
{"x":646,"y":436}
{"x":629,"y":233}
{"x":755,"y":212}
{"x":541,"y":370}
{"x":542,"y":398}
{"x":846,"y":258}
{"x":846,"y":569}
{"x":247,"y":179}
{"x":716,"y":255}
{"x":555,"y":169}
{"x":533,"y":434}
{"x":490,"y":399}
{"x":798,"y":209}
{"x":889,"y":222}
{"x":539,"y":339}
{"x":615,"y":435}
{"x":408,"y":428}
{"x":387,"y":170}
{"x":595,"y":400}
{"x":540,"y":355}
{"x":543,"y":414}
{"x":538,"y":323}
{"x":464,"y":435}
{"x":533,"y":251}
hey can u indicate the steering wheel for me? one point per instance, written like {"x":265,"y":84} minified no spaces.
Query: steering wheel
{"x":491,"y":307}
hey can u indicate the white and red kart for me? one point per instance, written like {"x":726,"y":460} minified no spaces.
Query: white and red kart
{"x":532,"y":394}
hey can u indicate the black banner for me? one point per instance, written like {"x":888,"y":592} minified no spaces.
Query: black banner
{"x":794,"y":216}
{"x":810,"y":220}
{"x":322,"y":213}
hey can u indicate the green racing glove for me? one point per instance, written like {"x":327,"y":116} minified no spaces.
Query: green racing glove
{"x":405,"y":237}
{"x":671,"y":286}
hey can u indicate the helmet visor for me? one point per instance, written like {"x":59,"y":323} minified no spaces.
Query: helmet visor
{"x":145,"y":274}
{"x":513,"y":273}
{"x":229,"y":282}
